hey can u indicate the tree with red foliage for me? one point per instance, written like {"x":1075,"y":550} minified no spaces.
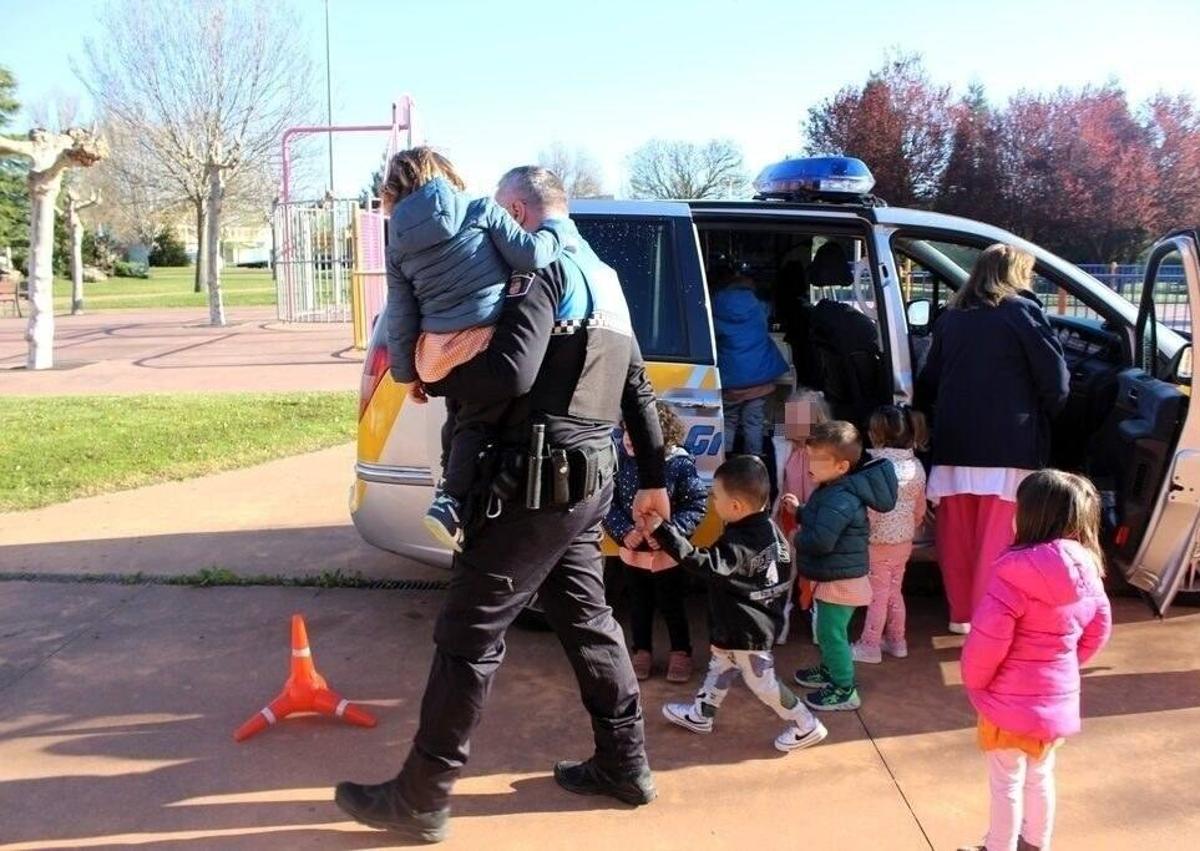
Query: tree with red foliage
{"x":898,"y":122}
{"x":1173,"y":128}
{"x":972,"y":184}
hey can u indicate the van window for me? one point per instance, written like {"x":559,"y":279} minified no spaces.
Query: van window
{"x":930,"y":267}
{"x":642,"y":251}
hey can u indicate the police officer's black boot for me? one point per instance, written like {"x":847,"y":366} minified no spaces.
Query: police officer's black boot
{"x":381,"y":807}
{"x":587,"y":778}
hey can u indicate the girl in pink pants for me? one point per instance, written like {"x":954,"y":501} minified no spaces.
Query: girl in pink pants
{"x":895,"y":432}
{"x":1043,"y":615}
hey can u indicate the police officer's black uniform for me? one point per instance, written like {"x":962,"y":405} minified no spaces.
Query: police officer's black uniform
{"x":566,"y":339}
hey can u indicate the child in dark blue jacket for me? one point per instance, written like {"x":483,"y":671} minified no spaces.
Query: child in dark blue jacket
{"x":832,"y":550}
{"x":747,"y":357}
{"x":665,"y":589}
{"x":449,"y":258}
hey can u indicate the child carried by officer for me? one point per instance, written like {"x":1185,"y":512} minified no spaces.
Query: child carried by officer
{"x":749,"y":574}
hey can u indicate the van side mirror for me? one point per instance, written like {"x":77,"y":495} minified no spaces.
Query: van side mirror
{"x":919,"y":312}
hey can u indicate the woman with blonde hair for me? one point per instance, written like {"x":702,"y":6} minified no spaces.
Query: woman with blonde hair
{"x":994,"y":378}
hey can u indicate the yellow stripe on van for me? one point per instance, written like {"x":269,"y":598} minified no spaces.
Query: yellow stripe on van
{"x":379,"y":418}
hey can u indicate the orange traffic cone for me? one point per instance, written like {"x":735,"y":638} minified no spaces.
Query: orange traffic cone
{"x":305,"y":691}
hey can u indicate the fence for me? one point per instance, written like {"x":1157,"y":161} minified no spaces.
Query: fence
{"x":1170,"y":290}
{"x":1124,"y":279}
{"x":369,"y":278}
{"x":314,"y":252}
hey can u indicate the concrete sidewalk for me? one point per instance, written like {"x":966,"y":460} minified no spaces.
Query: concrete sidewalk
{"x":118,"y":704}
{"x":288,"y":517}
{"x":176,"y":351}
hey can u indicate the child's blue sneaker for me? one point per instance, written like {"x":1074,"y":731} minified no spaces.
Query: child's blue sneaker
{"x":833,"y":698}
{"x":815,"y":677}
{"x":444,"y":521}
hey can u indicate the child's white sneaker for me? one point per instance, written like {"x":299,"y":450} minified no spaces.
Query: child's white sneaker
{"x":795,"y":739}
{"x":867,"y":654}
{"x":960,"y":628}
{"x":685,"y":715}
{"x":896,"y":649}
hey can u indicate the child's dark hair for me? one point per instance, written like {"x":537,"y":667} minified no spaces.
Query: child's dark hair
{"x":671,"y":425}
{"x":745,"y":477}
{"x":1052,"y":505}
{"x":411,"y":169}
{"x":840,"y":438}
{"x":898,"y":427}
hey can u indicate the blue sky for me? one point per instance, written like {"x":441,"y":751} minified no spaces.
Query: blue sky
{"x":496,"y":82}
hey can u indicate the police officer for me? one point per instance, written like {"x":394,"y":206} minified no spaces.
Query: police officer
{"x":564,"y":344}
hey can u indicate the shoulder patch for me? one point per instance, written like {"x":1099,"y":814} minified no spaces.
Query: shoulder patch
{"x":519,"y":284}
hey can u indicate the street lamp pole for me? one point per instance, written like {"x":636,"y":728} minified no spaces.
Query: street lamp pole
{"x":328,"y":97}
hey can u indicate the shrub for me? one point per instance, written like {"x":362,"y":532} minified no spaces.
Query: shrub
{"x":168,"y":251}
{"x":127,"y":269}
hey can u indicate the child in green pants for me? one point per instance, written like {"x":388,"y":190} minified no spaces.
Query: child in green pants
{"x":832,"y":551}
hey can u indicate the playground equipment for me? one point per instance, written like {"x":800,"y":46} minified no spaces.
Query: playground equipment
{"x":329,"y":253}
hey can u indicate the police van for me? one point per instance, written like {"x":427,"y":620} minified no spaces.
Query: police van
{"x":821,"y":249}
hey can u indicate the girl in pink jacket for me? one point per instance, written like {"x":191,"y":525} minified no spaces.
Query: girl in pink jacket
{"x":1043,"y":616}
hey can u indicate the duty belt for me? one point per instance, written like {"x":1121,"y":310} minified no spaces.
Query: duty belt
{"x":557,"y":478}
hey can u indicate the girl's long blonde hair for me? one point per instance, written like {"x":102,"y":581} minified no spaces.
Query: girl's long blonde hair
{"x":1001,"y":271}
{"x":411,"y":169}
{"x":1052,"y":505}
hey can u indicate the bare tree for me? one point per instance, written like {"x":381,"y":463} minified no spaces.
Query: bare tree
{"x":71,"y":210}
{"x":50,"y":154}
{"x":136,"y":205}
{"x":190,"y":83}
{"x":578,"y":172}
{"x":668,"y":169}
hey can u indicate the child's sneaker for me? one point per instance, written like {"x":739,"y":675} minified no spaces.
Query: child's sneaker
{"x":444,"y":521}
{"x":685,"y":715}
{"x":815,"y":677}
{"x":866,"y":653}
{"x":795,"y":739}
{"x":643,"y":662}
{"x":896,"y":649}
{"x":833,"y":698}
{"x":679,"y":667}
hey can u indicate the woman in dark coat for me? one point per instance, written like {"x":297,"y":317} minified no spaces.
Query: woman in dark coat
{"x":994,"y":378}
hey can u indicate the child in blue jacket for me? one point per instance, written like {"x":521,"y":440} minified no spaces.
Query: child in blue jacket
{"x":747,"y":357}
{"x":449,"y":258}
{"x":664,"y":590}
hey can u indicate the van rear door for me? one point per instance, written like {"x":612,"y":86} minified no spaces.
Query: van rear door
{"x":1159,"y":431}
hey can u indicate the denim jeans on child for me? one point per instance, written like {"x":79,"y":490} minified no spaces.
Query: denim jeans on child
{"x":749,"y":419}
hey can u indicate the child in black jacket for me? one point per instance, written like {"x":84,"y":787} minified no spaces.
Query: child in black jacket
{"x":749,"y":573}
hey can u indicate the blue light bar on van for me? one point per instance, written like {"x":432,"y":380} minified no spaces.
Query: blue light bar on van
{"x":815,"y":176}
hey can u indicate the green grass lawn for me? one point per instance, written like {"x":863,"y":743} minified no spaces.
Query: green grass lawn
{"x":58,"y":448}
{"x":169,"y":287}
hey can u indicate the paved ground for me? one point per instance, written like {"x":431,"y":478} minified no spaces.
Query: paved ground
{"x":118,"y":702}
{"x":288,"y":517}
{"x":117,"y":707}
{"x":176,"y":351}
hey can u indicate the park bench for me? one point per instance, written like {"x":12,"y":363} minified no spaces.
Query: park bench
{"x":11,"y":291}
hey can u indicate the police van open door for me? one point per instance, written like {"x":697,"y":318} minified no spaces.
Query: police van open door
{"x":1158,"y":432}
